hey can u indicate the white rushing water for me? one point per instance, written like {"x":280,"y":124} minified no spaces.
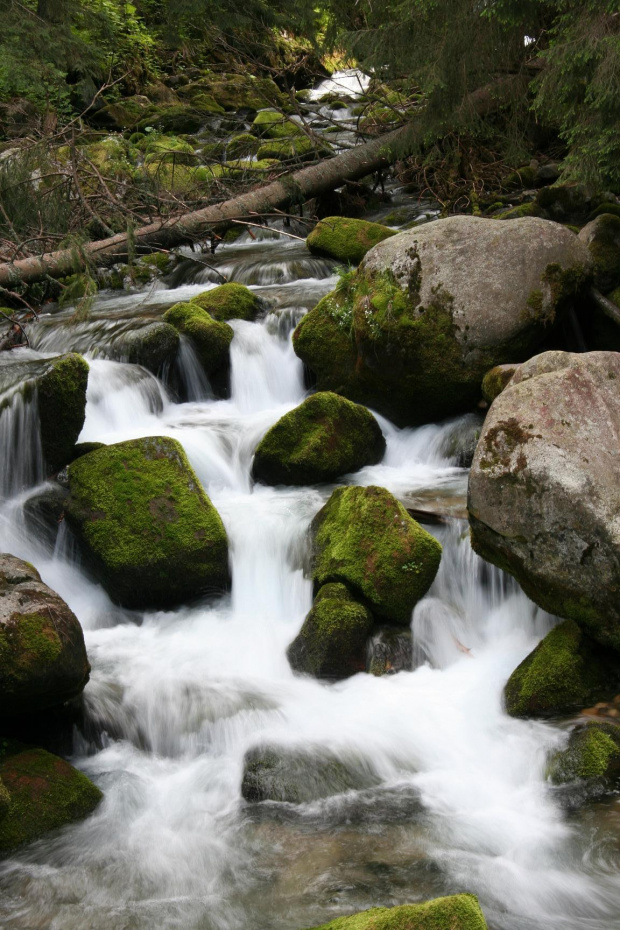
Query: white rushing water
{"x":176,"y":698}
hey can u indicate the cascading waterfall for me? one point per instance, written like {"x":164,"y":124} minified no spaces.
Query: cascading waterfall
{"x":458,"y":798}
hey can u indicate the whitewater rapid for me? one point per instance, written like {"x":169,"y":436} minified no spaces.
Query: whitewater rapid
{"x":177,"y":697}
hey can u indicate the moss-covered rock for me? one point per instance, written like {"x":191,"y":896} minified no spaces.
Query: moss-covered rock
{"x":167,"y":149}
{"x":229,"y":302}
{"x":210,"y":338}
{"x":565,"y":203}
{"x":531,"y":208}
{"x":43,"y":659}
{"x":180,"y":118}
{"x":45,"y":793}
{"x":458,"y":912}
{"x":325,"y":437}
{"x":184,"y":180}
{"x":243,"y":91}
{"x":346,"y":240}
{"x":365,"y":539}
{"x":297,"y":147}
{"x":602,"y":237}
{"x":413,"y":332}
{"x":123,"y":114}
{"x":154,"y":346}
{"x":565,"y":672}
{"x":244,"y":145}
{"x":298,"y":776}
{"x":5,"y":800}
{"x":496,"y":380}
{"x":146,"y":526}
{"x":592,"y":755}
{"x":332,"y":641}
{"x":62,"y":404}
{"x":521,"y":177}
{"x":273,"y":124}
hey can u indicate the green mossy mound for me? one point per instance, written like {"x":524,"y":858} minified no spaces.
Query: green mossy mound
{"x":210,"y":339}
{"x":123,"y":114}
{"x":145,"y":524}
{"x":602,"y":236}
{"x":243,"y":145}
{"x":496,"y":380}
{"x":180,"y":118}
{"x":458,"y":912}
{"x":346,"y":240}
{"x":565,"y":672}
{"x":229,"y":302}
{"x":332,"y":641}
{"x":242,"y":91}
{"x":62,"y":405}
{"x":45,"y":793}
{"x":298,"y":147}
{"x":167,"y":149}
{"x":299,"y":776}
{"x":592,"y":755}
{"x":365,"y":539}
{"x":273,"y":124}
{"x":325,"y":437}
{"x":155,"y":346}
{"x":43,"y":659}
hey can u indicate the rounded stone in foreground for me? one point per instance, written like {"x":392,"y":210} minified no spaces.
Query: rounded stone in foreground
{"x":43,"y":660}
{"x":325,"y":437}
{"x":44,"y":793}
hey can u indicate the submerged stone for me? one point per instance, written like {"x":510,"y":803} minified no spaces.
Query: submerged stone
{"x":298,"y":776}
{"x":325,"y":437}
{"x":364,"y":538}
{"x":148,"y":529}
{"x":43,"y":660}
{"x":345,"y":239}
{"x":332,"y":641}
{"x":44,"y":793}
{"x":458,"y":912}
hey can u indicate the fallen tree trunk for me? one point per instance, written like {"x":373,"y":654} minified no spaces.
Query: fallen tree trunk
{"x":289,"y":190}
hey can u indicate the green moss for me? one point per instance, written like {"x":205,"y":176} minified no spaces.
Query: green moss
{"x":184,"y":180}
{"x":244,"y":91}
{"x":458,"y":912}
{"x":229,"y":302}
{"x":244,"y":145}
{"x":322,"y":439}
{"x":496,"y":380}
{"x":521,"y":177}
{"x":364,"y":538}
{"x":275,"y":125}
{"x":27,"y":645}
{"x":150,"y":531}
{"x":345,"y":239}
{"x":592,"y":754}
{"x":523,"y":209}
{"x":45,"y":793}
{"x":62,"y":404}
{"x":179,"y":118}
{"x":564,"y":672}
{"x":332,"y":641}
{"x":564,"y":202}
{"x":162,"y":149}
{"x":612,"y":209}
{"x":210,"y":338}
{"x":301,"y":147}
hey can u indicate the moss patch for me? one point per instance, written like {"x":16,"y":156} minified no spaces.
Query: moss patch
{"x":229,"y":302}
{"x":346,"y":240}
{"x":592,"y":754}
{"x":565,"y":671}
{"x":62,"y":405}
{"x":364,"y":538}
{"x":322,"y":439}
{"x":496,"y":380}
{"x":210,"y":338}
{"x":150,"y":531}
{"x":458,"y":912}
{"x":332,"y":641}
{"x":45,"y":793}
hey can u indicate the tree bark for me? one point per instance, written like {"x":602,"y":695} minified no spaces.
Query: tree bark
{"x":292,"y":189}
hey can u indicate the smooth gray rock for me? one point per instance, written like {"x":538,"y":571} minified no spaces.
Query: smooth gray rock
{"x":544,"y":488}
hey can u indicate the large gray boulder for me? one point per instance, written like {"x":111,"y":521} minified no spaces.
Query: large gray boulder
{"x":43,"y":659}
{"x":544,"y":488}
{"x":431,"y":310}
